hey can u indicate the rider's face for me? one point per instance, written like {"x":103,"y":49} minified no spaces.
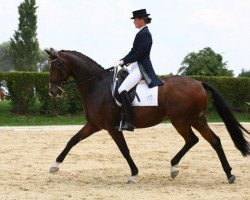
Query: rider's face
{"x":139,"y":22}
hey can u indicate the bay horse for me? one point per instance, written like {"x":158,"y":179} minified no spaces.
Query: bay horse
{"x":182,"y":100}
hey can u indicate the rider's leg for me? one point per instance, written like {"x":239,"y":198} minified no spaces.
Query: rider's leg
{"x":132,"y":79}
{"x":128,"y":122}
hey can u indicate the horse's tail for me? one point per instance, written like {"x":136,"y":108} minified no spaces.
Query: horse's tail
{"x":235,"y":129}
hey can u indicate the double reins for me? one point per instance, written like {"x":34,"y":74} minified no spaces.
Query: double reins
{"x":62,"y":82}
{"x":92,"y":77}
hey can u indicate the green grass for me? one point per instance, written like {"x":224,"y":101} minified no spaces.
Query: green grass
{"x":241,"y":117}
{"x":9,"y":119}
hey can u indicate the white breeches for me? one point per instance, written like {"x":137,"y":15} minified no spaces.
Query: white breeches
{"x":132,"y":79}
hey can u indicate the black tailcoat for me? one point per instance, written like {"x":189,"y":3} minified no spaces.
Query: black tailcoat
{"x":140,"y":52}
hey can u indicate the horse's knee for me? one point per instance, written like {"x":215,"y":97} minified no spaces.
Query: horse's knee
{"x":194,"y":140}
{"x":216,"y":143}
{"x":191,"y":140}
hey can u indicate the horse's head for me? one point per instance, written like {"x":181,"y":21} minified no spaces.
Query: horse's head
{"x":58,"y":73}
{"x":67,"y":63}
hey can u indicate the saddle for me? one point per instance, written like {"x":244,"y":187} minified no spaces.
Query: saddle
{"x":117,"y":79}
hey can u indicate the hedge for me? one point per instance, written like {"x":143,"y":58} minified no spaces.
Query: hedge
{"x":235,"y":91}
{"x":28,"y":88}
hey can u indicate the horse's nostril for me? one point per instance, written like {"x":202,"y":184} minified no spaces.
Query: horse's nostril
{"x":52,"y":93}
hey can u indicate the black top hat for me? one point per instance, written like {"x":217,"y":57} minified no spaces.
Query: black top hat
{"x":139,"y":13}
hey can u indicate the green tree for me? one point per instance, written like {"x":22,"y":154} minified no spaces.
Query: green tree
{"x":244,"y":73}
{"x":24,"y":44}
{"x":6,"y":61}
{"x":43,"y":64}
{"x":206,"y":63}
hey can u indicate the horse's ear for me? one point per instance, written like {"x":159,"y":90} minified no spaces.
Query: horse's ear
{"x":53,"y":52}
{"x":48,"y":52}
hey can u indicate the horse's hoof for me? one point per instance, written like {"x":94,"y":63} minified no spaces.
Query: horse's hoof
{"x":174,"y":174}
{"x":232,"y":179}
{"x":53,"y":169}
{"x":132,"y":180}
{"x":174,"y":171}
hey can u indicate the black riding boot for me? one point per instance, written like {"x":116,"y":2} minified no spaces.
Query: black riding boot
{"x":127,"y":124}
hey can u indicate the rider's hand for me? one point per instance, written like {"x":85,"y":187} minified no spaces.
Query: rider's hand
{"x":119,"y":63}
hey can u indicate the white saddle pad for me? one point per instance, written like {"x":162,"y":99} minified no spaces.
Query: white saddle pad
{"x":148,"y":96}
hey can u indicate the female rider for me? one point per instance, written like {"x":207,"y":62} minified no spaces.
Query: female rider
{"x":141,"y":67}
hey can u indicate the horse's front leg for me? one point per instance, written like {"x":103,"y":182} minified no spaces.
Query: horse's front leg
{"x":122,"y":145}
{"x":85,"y":132}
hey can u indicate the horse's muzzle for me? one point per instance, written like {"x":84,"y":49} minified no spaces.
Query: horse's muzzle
{"x":56,"y":91}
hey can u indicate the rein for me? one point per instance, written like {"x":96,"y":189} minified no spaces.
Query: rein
{"x":60,"y":81}
{"x":90,"y":78}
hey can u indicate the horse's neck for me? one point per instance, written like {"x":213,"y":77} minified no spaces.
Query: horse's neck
{"x":95,"y":90}
{"x":84,"y":68}
{"x":87,"y":73}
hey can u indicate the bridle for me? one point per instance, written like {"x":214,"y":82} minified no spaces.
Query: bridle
{"x":61,"y":81}
{"x":60,"y":78}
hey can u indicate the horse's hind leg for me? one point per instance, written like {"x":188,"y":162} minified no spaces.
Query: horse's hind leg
{"x":122,"y":145}
{"x":215,"y":142}
{"x":190,"y":140}
{"x":85,"y":132}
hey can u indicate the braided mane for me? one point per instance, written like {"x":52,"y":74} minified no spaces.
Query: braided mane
{"x":82,"y":56}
